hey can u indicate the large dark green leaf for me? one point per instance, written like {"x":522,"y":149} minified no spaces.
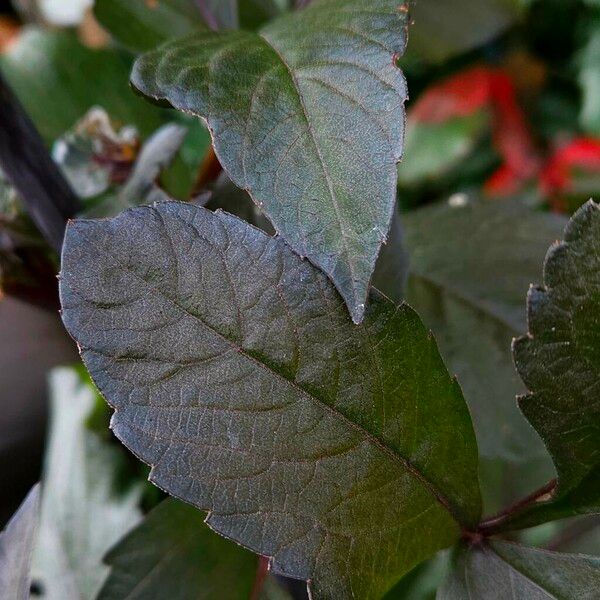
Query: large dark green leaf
{"x":471,"y":265}
{"x":46,"y":70}
{"x":308,"y":116}
{"x":16,"y":549}
{"x":500,"y":570}
{"x":83,"y":512}
{"x":140,"y":25}
{"x":173,"y":555}
{"x":236,"y":373}
{"x":559,"y":361}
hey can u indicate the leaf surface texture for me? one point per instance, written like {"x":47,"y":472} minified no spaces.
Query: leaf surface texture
{"x":308,"y":116}
{"x":237,"y":374}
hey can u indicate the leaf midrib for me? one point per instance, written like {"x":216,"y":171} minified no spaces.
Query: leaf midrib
{"x":319,"y":154}
{"x":371,"y":437}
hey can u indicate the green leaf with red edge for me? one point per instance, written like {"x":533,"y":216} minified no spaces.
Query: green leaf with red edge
{"x":308,"y":116}
{"x":236,"y":373}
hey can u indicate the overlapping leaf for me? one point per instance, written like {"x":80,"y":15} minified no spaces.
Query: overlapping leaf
{"x":173,"y":554}
{"x":470,"y":267}
{"x":308,"y":116}
{"x":497,"y":570}
{"x":559,"y":361}
{"x":16,"y":549}
{"x":237,"y":374}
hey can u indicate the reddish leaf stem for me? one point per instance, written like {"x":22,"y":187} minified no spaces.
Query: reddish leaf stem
{"x":209,"y":170}
{"x":494,"y":524}
{"x":262,"y":570}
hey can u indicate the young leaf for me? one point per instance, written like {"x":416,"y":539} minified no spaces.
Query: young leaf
{"x":83,"y":514}
{"x":496,"y":570}
{"x":470,"y":266}
{"x":237,"y":374}
{"x":559,"y":361}
{"x":140,"y":25}
{"x":173,"y":554}
{"x":16,"y":548}
{"x":308,"y":116}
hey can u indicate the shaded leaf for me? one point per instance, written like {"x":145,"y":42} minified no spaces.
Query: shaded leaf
{"x":140,"y":25}
{"x":45,"y":70}
{"x":83,"y":512}
{"x":173,"y":554}
{"x":439,"y":30}
{"x":471,"y":264}
{"x":253,"y":13}
{"x":497,"y":570}
{"x":16,"y":548}
{"x":237,"y":374}
{"x":308,"y":116}
{"x":559,"y":361}
{"x":589,"y":79}
{"x":423,"y":581}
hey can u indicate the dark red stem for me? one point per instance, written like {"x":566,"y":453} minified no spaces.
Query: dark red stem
{"x":262,"y":570}
{"x":494,"y":524}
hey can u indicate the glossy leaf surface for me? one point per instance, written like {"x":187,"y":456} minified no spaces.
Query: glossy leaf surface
{"x":308,"y":116}
{"x":236,"y":373}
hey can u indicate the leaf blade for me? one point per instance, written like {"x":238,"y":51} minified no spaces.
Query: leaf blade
{"x":282,"y":130}
{"x":139,"y":26}
{"x":496,"y":570}
{"x":331,"y":444}
{"x":558,"y":361}
{"x":173,"y":554}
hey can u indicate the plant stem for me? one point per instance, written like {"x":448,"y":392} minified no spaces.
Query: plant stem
{"x":209,"y":170}
{"x":47,"y":196}
{"x":262,"y":570}
{"x":494,"y":524}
